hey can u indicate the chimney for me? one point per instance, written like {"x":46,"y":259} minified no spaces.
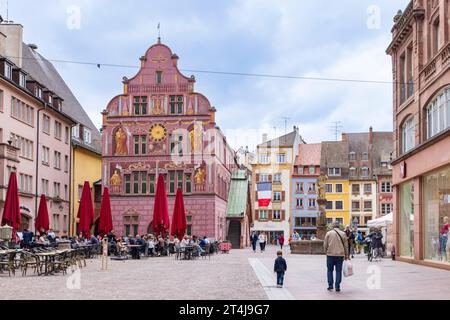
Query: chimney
{"x":2,"y":44}
{"x":370,"y":135}
{"x":11,"y":44}
{"x":345,"y":137}
{"x":264,"y":138}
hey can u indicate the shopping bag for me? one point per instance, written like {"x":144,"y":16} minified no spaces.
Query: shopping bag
{"x":348,"y":269}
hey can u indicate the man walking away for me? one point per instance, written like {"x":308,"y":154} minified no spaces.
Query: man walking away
{"x":336,"y":249}
{"x":280,"y":267}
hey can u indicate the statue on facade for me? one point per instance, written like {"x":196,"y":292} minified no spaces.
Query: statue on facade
{"x":121,"y":142}
{"x":157,"y":109}
{"x":200,"y":176}
{"x":195,"y":138}
{"x":115,"y":180}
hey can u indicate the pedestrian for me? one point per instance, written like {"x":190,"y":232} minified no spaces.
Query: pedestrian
{"x":336,"y":249}
{"x":280,"y":267}
{"x":254,"y":240}
{"x":27,"y":239}
{"x":262,"y":241}
{"x":359,"y":242}
{"x":351,"y":240}
{"x":281,"y":241}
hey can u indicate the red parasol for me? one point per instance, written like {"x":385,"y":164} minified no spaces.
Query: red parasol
{"x":42,"y":220}
{"x":105,"y":224}
{"x":161,"y":221}
{"x":179,"y":224}
{"x":11,"y":210}
{"x":86,"y":211}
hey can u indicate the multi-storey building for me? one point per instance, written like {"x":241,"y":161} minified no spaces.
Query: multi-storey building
{"x":420,"y":51}
{"x":34,"y":132}
{"x":160,"y":125}
{"x":335,"y":165}
{"x":382,"y":153}
{"x":305,"y":209}
{"x":274,"y":165}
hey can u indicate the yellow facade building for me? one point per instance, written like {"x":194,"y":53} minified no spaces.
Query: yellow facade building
{"x":86,"y":166}
{"x":338,"y":201}
{"x":335,"y":165}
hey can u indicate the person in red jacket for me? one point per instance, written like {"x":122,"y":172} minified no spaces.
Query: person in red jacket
{"x":281,"y":241}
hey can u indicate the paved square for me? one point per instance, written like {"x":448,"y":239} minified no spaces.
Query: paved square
{"x":240,"y":275}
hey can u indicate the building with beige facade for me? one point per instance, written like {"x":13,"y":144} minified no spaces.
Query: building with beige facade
{"x":274,"y":164}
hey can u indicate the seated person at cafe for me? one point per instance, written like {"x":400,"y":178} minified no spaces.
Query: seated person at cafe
{"x":151,"y":246}
{"x":139,"y":241}
{"x":184,"y":242}
{"x":121,"y":247}
{"x":94,"y":240}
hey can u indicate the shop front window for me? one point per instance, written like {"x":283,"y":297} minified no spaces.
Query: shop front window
{"x":436,"y":190}
{"x":407,"y":220}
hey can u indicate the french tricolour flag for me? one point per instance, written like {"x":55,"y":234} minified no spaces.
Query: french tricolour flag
{"x":264,"y":193}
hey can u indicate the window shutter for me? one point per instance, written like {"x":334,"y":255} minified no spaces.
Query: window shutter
{"x":283,"y":215}
{"x":270,"y":178}
{"x":257,"y":177}
{"x":283,"y":196}
{"x":270,"y":215}
{"x":256,"y":195}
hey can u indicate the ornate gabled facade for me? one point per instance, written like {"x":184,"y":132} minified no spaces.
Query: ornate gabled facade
{"x":160,"y":125}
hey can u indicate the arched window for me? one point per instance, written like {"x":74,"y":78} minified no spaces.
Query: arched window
{"x":408,"y":133}
{"x":438,"y":114}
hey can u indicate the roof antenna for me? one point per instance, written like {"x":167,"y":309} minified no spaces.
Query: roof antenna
{"x":7,"y":11}
{"x":159,"y":33}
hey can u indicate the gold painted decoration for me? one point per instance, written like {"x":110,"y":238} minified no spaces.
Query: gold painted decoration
{"x":115,"y":180}
{"x":200,"y":176}
{"x":121,"y":142}
{"x":158,"y":132}
{"x":159,"y":59}
{"x":157,"y":110}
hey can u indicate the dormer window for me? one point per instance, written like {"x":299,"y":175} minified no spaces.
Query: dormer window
{"x":87,"y":136}
{"x":76,"y":131}
{"x":365,"y":156}
{"x":38,"y":92}
{"x":49,"y":99}
{"x":22,"y":80}
{"x":352,"y":156}
{"x":334,"y":172}
{"x":8,"y":70}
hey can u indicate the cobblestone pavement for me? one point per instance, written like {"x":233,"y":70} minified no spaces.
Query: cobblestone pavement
{"x":224,"y":277}
{"x":240,"y":275}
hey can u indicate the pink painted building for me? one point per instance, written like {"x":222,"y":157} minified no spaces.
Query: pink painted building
{"x":35,"y":132}
{"x":161,"y":125}
{"x":420,"y":52}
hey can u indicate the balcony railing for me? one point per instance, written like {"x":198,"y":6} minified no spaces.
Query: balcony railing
{"x":9,"y":152}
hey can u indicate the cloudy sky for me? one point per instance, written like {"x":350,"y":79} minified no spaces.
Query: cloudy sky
{"x":313,"y":38}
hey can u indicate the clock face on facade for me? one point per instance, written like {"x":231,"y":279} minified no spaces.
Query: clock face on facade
{"x":158,"y":132}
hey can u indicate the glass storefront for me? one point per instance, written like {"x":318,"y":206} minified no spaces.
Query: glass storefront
{"x":407,"y":220}
{"x":436,"y":201}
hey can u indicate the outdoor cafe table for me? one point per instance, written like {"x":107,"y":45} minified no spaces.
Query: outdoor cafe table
{"x":48,"y":258}
{"x":136,"y":247}
{"x":188,"y":252}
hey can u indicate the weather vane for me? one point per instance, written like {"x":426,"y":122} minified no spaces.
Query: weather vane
{"x":159,"y":32}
